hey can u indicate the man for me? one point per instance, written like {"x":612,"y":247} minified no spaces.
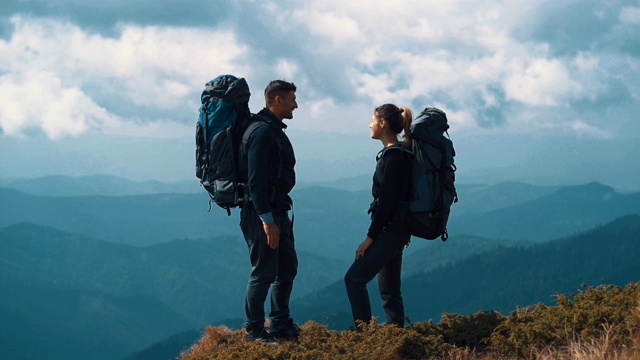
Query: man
{"x":267,"y":166}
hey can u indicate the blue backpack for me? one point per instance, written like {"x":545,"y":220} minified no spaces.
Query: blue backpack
{"x":224,"y":109}
{"x":433,"y":176}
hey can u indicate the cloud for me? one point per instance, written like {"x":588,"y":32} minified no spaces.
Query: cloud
{"x":588,"y":130}
{"x":38,"y":100}
{"x":149,"y":69}
{"x":493,"y":65}
{"x":541,"y":82}
{"x":477,"y":62}
{"x":630,"y":15}
{"x":330,"y":25}
{"x":103,"y":16}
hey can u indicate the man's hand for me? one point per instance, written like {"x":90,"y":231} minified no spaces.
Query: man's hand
{"x":273,"y":234}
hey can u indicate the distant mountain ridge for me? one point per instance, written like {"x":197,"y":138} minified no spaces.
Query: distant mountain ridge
{"x":481,"y":198}
{"x":180,"y":285}
{"x":328,"y":222}
{"x":502,"y":278}
{"x":97,"y":185}
{"x":509,"y":277}
{"x":43,"y":256}
{"x":79,"y":324}
{"x":560,"y":213}
{"x":116,"y":298}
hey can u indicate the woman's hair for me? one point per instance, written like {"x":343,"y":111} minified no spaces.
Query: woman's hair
{"x":399,"y":120}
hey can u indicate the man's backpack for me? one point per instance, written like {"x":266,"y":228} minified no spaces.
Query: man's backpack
{"x":218,"y":133}
{"x":433,"y":176}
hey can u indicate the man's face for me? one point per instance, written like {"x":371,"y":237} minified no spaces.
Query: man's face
{"x":286,"y":104}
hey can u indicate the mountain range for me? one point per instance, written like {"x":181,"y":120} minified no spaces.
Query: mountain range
{"x":500,"y":278}
{"x":559,"y":213}
{"x":84,"y":274}
{"x":328,"y":222}
{"x":113,"y":299}
{"x":134,"y":295}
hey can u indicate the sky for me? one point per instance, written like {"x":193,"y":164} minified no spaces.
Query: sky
{"x":113,"y":87}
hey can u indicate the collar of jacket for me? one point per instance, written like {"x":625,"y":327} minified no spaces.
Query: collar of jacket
{"x":267,"y":113}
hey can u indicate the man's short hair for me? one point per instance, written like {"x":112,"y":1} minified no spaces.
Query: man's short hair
{"x":277,"y":87}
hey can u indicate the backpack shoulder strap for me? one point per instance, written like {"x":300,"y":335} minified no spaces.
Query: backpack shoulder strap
{"x":396,"y":146}
{"x":257,"y":122}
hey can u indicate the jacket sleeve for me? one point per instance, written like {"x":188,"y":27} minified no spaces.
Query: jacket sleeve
{"x":260,"y":143}
{"x":396,"y":168}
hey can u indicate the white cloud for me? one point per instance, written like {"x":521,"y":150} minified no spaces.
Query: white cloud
{"x":542,"y":82}
{"x":38,"y":100}
{"x":148,"y":67}
{"x":375,"y":87}
{"x":630,"y":15}
{"x":320,"y":109}
{"x":286,"y":69}
{"x":423,"y":50}
{"x":338,"y":28}
{"x":463,"y":55}
{"x":587,"y":130}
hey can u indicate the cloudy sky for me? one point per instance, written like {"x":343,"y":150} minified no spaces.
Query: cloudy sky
{"x":113,"y":87}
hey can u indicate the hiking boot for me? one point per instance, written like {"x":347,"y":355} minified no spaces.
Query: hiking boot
{"x":290,"y":333}
{"x":261,"y":336}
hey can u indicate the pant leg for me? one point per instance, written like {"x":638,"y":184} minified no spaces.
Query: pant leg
{"x":287,"y":270}
{"x":389,"y":285}
{"x":363,"y":270}
{"x":264,"y":267}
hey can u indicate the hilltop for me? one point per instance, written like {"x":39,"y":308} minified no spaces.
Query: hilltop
{"x":596,"y":323}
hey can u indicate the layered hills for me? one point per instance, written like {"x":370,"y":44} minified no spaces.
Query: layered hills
{"x":97,"y":276}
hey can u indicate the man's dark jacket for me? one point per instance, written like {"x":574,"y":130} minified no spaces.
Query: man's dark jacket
{"x":266,"y":164}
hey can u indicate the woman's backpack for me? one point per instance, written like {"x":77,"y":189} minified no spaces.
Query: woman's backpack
{"x":433,"y":176}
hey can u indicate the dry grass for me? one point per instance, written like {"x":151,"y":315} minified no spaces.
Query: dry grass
{"x":214,"y":339}
{"x":619,"y":341}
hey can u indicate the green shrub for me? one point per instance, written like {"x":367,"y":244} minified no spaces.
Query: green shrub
{"x":576,"y":317}
{"x":374,"y":341}
{"x":604,"y":318}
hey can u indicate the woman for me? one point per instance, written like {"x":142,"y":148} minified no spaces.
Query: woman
{"x":381,"y":251}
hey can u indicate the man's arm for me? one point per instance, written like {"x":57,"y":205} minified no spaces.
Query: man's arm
{"x":258,"y":180}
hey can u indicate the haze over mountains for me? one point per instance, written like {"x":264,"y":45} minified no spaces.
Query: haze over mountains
{"x":113,"y":275}
{"x":328,"y":220}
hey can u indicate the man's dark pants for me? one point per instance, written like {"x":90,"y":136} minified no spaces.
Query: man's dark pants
{"x":271,"y":268}
{"x":382,"y":258}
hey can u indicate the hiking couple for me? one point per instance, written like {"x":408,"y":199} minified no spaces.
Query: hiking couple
{"x":267,"y":166}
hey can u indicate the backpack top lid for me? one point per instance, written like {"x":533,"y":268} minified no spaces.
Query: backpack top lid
{"x":227,"y":88}
{"x":430,"y":124}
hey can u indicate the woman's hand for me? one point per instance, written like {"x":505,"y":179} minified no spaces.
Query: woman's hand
{"x":363,"y":247}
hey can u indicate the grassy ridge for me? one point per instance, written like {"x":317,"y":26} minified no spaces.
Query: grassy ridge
{"x":600,"y":322}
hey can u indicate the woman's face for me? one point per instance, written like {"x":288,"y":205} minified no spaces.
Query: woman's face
{"x":376,"y":126}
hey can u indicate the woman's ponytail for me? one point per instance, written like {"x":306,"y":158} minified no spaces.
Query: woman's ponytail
{"x":407,"y":118}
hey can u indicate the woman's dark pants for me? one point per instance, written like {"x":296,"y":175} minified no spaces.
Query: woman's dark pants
{"x":382,"y":258}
